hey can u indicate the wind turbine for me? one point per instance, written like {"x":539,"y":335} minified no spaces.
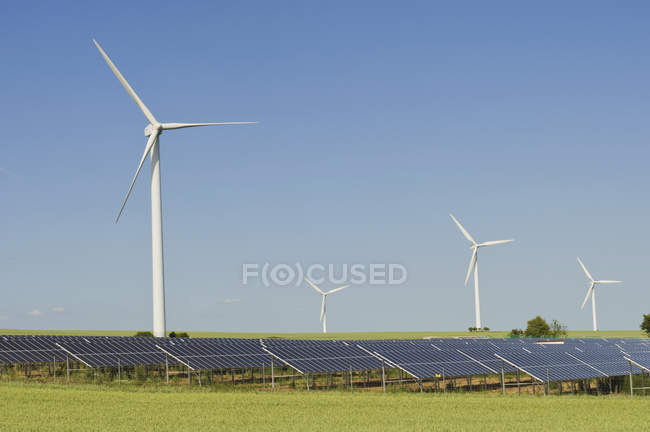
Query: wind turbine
{"x":591,"y":291}
{"x":323,"y":312}
{"x":153,"y":131}
{"x":473,"y":265}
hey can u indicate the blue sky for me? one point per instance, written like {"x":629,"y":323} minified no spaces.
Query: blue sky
{"x":376,"y":121}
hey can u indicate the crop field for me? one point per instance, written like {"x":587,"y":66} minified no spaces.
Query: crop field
{"x":350,"y":335}
{"x":82,"y":408}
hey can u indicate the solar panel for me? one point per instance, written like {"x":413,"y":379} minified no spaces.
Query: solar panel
{"x":423,"y":360}
{"x":607,"y":360}
{"x":114,"y":351}
{"x":322,"y":356}
{"x":28,"y":349}
{"x":549,"y":364}
{"x":216,"y":353}
{"x":639,"y":359}
{"x":485,"y":356}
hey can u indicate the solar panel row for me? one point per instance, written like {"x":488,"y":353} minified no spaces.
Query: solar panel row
{"x":572,"y":359}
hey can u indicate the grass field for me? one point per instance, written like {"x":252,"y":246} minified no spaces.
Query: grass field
{"x":82,"y":408}
{"x":352,"y":335}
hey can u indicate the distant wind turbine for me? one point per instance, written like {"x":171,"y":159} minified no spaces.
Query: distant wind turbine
{"x":323,"y":312}
{"x":592,"y":291}
{"x":473,"y":265}
{"x":153,"y":131}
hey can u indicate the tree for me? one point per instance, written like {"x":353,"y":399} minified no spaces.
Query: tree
{"x":516,"y":333}
{"x":645,"y":325}
{"x":558,"y":330}
{"x":537,"y":327}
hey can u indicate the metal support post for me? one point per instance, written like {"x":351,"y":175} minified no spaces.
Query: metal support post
{"x":167,"y":368}
{"x":383,"y":375}
{"x":272,"y":374}
{"x":444,"y":381}
{"x":503,"y":377}
{"x":631,"y":381}
{"x":351,"y":378}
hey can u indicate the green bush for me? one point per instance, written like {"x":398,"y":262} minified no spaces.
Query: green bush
{"x":144,"y":334}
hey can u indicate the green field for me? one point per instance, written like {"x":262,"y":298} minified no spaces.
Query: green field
{"x":82,"y":408}
{"x":351,"y":335}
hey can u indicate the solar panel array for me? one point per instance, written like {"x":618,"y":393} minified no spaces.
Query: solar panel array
{"x":431,"y":358}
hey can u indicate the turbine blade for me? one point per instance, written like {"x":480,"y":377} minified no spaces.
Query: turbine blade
{"x":463,"y":230}
{"x":472,"y":263}
{"x":496,"y":242}
{"x":585,"y":269}
{"x":336,"y":289}
{"x":607,"y":282}
{"x":313,"y":285}
{"x":168,"y":126}
{"x":322,"y":308}
{"x":126,"y":86}
{"x":150,"y":142}
{"x":591,"y":288}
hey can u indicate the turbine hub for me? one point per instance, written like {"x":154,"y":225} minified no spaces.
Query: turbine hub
{"x":150,"y":129}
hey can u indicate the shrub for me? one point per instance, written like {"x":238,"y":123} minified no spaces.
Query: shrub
{"x":178,"y":335}
{"x":144,"y":334}
{"x":516,"y":333}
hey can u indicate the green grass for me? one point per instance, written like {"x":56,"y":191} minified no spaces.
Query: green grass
{"x":352,"y":335}
{"x":82,"y":408}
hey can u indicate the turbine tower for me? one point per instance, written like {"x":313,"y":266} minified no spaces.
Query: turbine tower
{"x":153,"y":131}
{"x":592,"y":291}
{"x":473,"y":265}
{"x":323,"y":312}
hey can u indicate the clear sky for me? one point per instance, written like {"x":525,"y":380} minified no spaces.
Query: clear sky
{"x":376,"y":121}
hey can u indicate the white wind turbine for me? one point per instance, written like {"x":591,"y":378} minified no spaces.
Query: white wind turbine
{"x":153,"y":131}
{"x":473,"y":265}
{"x":591,"y":291}
{"x":323,"y":312}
